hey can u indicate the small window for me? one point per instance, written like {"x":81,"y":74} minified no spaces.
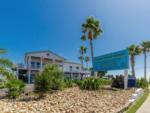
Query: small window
{"x":77,"y":67}
{"x":60,"y":65}
{"x":48,"y":54}
{"x":38,"y":64}
{"x":32,"y":64}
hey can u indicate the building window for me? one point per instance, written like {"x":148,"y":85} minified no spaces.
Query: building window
{"x":77,"y":68}
{"x":70,"y":68}
{"x":38,"y":64}
{"x":48,"y":54}
{"x":60,"y":65}
{"x":33,"y":64}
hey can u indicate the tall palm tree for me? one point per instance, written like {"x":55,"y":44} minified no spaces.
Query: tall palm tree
{"x":87,"y":59}
{"x":81,"y":58}
{"x":133,"y":51}
{"x":82,"y":52}
{"x":145,"y":48}
{"x":91,"y":30}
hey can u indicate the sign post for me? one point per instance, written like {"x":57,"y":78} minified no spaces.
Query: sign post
{"x":125,"y":79}
{"x":113,"y":61}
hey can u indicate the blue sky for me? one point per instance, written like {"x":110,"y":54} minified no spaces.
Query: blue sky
{"x":29,"y":25}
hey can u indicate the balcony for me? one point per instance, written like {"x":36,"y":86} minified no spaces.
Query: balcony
{"x":21,"y":66}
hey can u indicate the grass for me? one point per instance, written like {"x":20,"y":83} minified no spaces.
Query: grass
{"x":138,"y":103}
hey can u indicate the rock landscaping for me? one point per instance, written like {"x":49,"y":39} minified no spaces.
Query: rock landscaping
{"x":72,"y":100}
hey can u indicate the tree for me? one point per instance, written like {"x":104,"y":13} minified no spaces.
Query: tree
{"x":81,"y":58}
{"x":91,"y":30}
{"x":10,"y":81}
{"x":82,"y":51}
{"x":2,"y":51}
{"x":87,"y":59}
{"x":51,"y":78}
{"x":101,"y":73}
{"x":133,"y":51}
{"x":145,"y":48}
{"x":3,"y":61}
{"x":15,"y":87}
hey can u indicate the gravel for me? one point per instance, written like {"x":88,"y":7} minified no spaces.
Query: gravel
{"x":72,"y":100}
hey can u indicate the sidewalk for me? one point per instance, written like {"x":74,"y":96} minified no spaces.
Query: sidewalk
{"x":145,"y":108}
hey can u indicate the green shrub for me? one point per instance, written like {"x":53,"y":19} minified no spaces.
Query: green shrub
{"x":51,"y":78}
{"x":118,"y":82}
{"x":56,"y":77}
{"x":142,"y":83}
{"x":15,"y":87}
{"x":77,"y":82}
{"x":90,"y":83}
{"x":69,"y":83}
{"x":104,"y":82}
{"x":42,"y":83}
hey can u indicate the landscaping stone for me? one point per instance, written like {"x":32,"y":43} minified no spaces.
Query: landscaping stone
{"x":71,"y":100}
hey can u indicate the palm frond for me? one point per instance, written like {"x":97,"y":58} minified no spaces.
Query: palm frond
{"x":3,"y":51}
{"x":83,"y":37}
{"x":5,"y":62}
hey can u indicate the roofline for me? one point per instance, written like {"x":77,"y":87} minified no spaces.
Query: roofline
{"x":72,"y":62}
{"x":27,"y":53}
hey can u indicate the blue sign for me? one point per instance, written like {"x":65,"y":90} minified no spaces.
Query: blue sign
{"x":113,"y":61}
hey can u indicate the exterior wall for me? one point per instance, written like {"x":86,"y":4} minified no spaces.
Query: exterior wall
{"x":72,"y":67}
{"x":35,"y":61}
{"x":45,"y":55}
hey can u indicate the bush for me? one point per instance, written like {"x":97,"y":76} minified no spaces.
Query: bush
{"x":51,"y":78}
{"x":42,"y":84}
{"x":15,"y":87}
{"x":69,"y":83}
{"x":90,"y":83}
{"x":77,"y":82}
{"x":56,"y":77}
{"x":104,"y":82}
{"x":118,"y":82}
{"x":142,"y":83}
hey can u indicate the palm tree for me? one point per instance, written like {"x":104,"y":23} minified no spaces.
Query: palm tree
{"x":3,"y":61}
{"x":87,"y":59}
{"x":81,"y":58}
{"x":82,"y":51}
{"x":2,"y":51}
{"x":91,"y":30}
{"x":133,"y":51}
{"x":145,"y":48}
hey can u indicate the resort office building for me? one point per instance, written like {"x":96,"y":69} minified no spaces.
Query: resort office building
{"x":35,"y":62}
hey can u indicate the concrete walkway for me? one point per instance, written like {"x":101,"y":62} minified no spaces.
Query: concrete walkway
{"x":145,"y":108}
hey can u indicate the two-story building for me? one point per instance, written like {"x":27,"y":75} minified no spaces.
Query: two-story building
{"x":35,"y":61}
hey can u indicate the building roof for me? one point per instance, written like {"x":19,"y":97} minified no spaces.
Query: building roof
{"x":65,"y":60}
{"x":43,"y":52}
{"x":72,"y":62}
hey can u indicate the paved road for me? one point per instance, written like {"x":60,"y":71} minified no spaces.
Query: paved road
{"x":145,"y":108}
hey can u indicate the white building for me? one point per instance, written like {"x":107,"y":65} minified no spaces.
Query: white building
{"x":35,"y":61}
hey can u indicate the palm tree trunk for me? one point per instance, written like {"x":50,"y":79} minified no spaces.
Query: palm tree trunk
{"x":145,"y":65}
{"x":133,"y":65}
{"x":87,"y":65}
{"x":82,"y":64}
{"x":92,"y":52}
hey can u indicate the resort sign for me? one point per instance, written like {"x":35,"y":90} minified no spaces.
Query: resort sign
{"x":113,"y":61}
